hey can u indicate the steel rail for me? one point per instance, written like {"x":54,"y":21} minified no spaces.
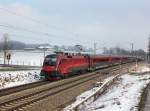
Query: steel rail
{"x":10,"y":90}
{"x":21,"y":101}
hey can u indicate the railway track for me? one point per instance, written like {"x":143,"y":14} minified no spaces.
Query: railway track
{"x":34,"y":97}
{"x":6,"y":91}
{"x":20,"y":100}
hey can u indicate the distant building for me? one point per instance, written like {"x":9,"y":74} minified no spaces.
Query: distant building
{"x":30,"y":49}
{"x":49,"y":48}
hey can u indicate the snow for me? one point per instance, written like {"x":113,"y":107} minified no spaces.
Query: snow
{"x":144,"y":69}
{"x":31,"y":58}
{"x":45,"y":47}
{"x":122,"y":96}
{"x":21,"y":57}
{"x":14,"y":78}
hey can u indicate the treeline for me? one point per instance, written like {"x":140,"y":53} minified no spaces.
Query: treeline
{"x":121,"y":51}
{"x":17,"y":45}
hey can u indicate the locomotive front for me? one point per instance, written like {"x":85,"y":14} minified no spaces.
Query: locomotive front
{"x":49,"y":69}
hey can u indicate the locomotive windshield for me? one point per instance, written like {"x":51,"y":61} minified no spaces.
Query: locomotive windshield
{"x":50,"y":60}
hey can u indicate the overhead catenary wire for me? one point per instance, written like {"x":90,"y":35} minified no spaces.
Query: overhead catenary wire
{"x":23,"y":29}
{"x":8,"y":26}
{"x":35,"y":20}
{"x":37,"y":38}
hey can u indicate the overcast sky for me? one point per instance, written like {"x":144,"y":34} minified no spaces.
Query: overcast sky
{"x":69,"y":22}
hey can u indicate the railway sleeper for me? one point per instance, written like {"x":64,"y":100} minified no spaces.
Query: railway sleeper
{"x":20,"y":109}
{"x":6,"y":106}
{"x":17,"y":103}
{"x":24,"y":100}
{"x":3,"y":109}
{"x":20,"y":105}
{"x":29,"y":102}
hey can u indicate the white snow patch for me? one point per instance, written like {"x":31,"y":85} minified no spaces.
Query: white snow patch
{"x":31,"y":58}
{"x":144,"y":69}
{"x":14,"y":78}
{"x":123,"y":96}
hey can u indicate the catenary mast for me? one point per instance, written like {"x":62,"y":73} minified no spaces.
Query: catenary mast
{"x":148,"y":53}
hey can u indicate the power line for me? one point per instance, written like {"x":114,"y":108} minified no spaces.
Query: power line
{"x":132,"y":49}
{"x":30,"y":31}
{"x":18,"y":35}
{"x":34,"y":20}
{"x":23,"y":29}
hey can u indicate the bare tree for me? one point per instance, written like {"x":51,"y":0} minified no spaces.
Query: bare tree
{"x":121,"y":51}
{"x":5,"y":41}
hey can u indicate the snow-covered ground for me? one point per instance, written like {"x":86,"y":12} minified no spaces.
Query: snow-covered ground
{"x":123,"y":96}
{"x":14,"y":78}
{"x":31,"y":58}
{"x":21,"y":57}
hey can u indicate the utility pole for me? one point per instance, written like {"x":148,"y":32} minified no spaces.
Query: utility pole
{"x":95,"y":44}
{"x":148,"y":53}
{"x":132,"y":48}
{"x":44,"y":49}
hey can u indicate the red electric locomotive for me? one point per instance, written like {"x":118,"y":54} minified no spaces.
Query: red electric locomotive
{"x":62,"y":65}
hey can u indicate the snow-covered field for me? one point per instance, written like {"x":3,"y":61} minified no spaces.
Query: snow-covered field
{"x":31,"y":58}
{"x":14,"y":78}
{"x":123,"y":96}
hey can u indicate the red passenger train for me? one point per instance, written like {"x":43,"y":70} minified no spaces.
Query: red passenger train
{"x":62,"y":65}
